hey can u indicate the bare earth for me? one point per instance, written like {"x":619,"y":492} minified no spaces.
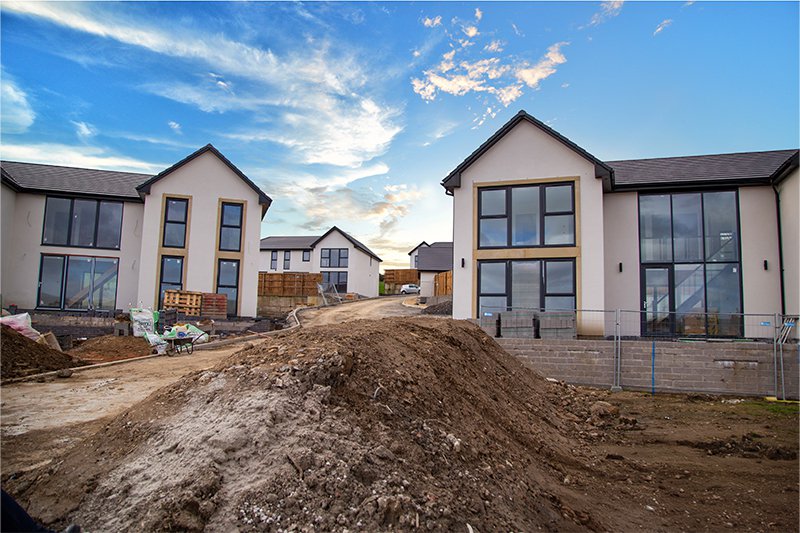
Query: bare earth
{"x":386,"y":306}
{"x":429,"y":416}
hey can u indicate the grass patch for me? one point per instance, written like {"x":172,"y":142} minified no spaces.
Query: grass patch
{"x":381,"y":288}
{"x":757,"y":407}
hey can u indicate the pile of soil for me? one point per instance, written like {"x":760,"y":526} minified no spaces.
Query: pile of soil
{"x":23,"y":357}
{"x":391,"y":424}
{"x":745,"y":446}
{"x":442,"y":308}
{"x":112,"y":348}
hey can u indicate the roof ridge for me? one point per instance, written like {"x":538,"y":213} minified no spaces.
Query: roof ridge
{"x":700,"y":155}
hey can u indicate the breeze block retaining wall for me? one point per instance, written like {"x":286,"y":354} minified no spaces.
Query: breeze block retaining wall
{"x":736,"y":368}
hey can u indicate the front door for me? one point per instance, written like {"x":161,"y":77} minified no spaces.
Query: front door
{"x":657,"y":301}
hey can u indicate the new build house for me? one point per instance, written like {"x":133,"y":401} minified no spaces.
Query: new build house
{"x":431,"y":260}
{"x":688,"y":244}
{"x":80,"y":239}
{"x":343,"y":261}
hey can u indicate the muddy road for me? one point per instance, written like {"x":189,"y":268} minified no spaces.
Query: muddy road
{"x":384,"y":307}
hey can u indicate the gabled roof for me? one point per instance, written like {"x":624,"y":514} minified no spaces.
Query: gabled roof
{"x":436,"y":258}
{"x":703,"y":170}
{"x":423,"y":243}
{"x":355,"y":242}
{"x":289,"y":243}
{"x":48,"y":179}
{"x":263,"y":199}
{"x":453,"y":180}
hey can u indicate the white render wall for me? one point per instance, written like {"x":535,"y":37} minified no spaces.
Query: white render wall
{"x":206,"y":179}
{"x":621,"y":240}
{"x":296,"y":263}
{"x":413,"y":257}
{"x":427,"y":283}
{"x":7,"y":202}
{"x":22,"y":251}
{"x":789,"y":191}
{"x":528,"y":153}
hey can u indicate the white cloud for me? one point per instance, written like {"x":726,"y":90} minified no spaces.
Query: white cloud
{"x":17,"y":113}
{"x":661,"y":27}
{"x":174,"y":126}
{"x":564,"y":85}
{"x":84,"y":130}
{"x":544,"y":68}
{"x":687,"y":4}
{"x":78,"y":156}
{"x":517,"y":30}
{"x":331,"y":119}
{"x":470,"y":31}
{"x":478,"y":14}
{"x":608,"y":10}
{"x":432,"y":22}
{"x":495,"y":47}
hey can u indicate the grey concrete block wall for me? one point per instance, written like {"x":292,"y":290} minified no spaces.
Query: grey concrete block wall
{"x":737,"y":368}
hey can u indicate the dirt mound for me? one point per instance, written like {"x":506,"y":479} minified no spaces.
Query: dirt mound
{"x":747,"y":446}
{"x":20,"y":356}
{"x":443,"y":308}
{"x":112,"y":348}
{"x":393,"y":424}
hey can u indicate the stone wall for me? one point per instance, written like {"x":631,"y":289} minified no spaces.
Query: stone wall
{"x":739,"y":368}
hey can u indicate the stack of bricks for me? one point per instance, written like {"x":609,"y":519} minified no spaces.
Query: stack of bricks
{"x":214,"y":305}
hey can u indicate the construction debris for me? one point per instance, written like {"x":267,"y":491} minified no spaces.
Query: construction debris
{"x":22,"y":356}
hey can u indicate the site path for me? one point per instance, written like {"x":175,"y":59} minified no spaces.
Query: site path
{"x":383,"y":307}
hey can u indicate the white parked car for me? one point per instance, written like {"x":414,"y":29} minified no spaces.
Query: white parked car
{"x":409,"y":288}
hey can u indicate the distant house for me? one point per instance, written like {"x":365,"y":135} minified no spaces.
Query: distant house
{"x":413,"y":255}
{"x":343,"y":261}
{"x":687,"y":244}
{"x":75,"y":239}
{"x":432,"y":260}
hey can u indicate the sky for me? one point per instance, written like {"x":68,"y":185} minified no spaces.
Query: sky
{"x":351,"y":114}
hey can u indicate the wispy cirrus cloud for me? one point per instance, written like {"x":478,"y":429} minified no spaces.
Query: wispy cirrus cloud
{"x":608,"y":10}
{"x":432,"y":22}
{"x":662,"y":26}
{"x":78,"y":156}
{"x":84,"y":130}
{"x":18,"y":115}
{"x":174,"y":126}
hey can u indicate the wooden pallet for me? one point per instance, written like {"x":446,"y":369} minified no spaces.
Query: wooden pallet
{"x":186,"y":302}
{"x":214,"y":305}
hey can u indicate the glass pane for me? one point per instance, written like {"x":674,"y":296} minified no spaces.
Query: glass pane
{"x":656,"y":300}
{"x":109,"y":225}
{"x":525,"y":216}
{"x":721,"y":225}
{"x":104,"y":292}
{"x":174,"y":234}
{"x":51,"y":276}
{"x":559,"y":303}
{"x":690,"y":301}
{"x":231,"y":214}
{"x":176,"y":210}
{"x":84,"y":217}
{"x":492,"y":277}
{"x":229,"y":239}
{"x":56,"y":221}
{"x":341,"y":282}
{"x":228,"y":273}
{"x":491,"y":305}
{"x":79,"y":282}
{"x":493,"y":232}
{"x":559,"y":229}
{"x":687,"y":227}
{"x":172,"y":270}
{"x":306,"y":255}
{"x":654,"y":228}
{"x":558,"y":199}
{"x":559,"y":277}
{"x":232,"y":295}
{"x":493,"y":202}
{"x":525,"y":284}
{"x":722,"y":292}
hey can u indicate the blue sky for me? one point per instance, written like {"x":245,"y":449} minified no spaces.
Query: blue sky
{"x":352,"y":113}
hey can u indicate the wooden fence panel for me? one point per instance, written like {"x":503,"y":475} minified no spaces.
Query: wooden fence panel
{"x":443,"y":284}
{"x":401,"y":276}
{"x":288,"y":283}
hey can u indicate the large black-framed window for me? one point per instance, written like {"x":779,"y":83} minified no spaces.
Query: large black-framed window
{"x":547,"y":284}
{"x":273,"y":260}
{"x":334,"y":258}
{"x":77,"y":283}
{"x":171,"y":276}
{"x":689,"y":247}
{"x":526,"y":216}
{"x":228,"y":282}
{"x":337,"y":279}
{"x":82,"y":223}
{"x":287,"y":259}
{"x":230,"y":227}
{"x":175,"y":216}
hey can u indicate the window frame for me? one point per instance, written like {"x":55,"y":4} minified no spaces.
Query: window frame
{"x":273,"y":260}
{"x":287,"y":260}
{"x":306,"y":256}
{"x":543,"y":291}
{"x":166,"y":221}
{"x":70,"y":216}
{"x":338,"y":274}
{"x":543,"y":214}
{"x":340,"y":257}
{"x":161,"y":276}
{"x":64,"y":279}
{"x":235,"y":287}
{"x":222,"y":225}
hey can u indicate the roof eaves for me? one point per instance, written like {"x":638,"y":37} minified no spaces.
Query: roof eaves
{"x":786,"y":168}
{"x":417,"y":246}
{"x":354,"y":242}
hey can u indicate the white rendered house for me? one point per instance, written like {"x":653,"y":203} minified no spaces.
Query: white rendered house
{"x":342,"y":260}
{"x":539,"y":223}
{"x":77,"y":239}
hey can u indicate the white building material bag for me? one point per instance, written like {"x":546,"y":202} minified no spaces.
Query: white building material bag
{"x":21,"y":323}
{"x":142,"y":322}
